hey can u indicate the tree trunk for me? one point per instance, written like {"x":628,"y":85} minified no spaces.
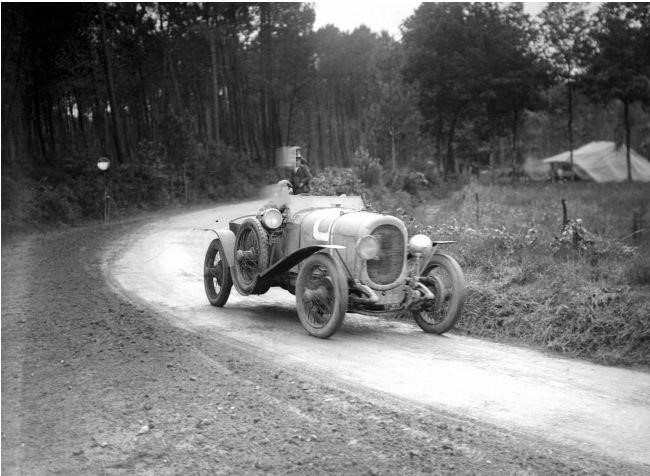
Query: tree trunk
{"x":439,"y":145}
{"x":177,"y":91}
{"x":393,"y":154}
{"x":115,"y":108}
{"x":515,"y":147}
{"x":215,"y":83}
{"x":451,"y":157}
{"x":626,"y":112}
{"x":570,"y":125}
{"x":492,"y":153}
{"x":268,"y":130}
{"x":208,"y":115}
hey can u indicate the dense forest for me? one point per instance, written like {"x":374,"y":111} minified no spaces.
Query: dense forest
{"x":190,"y":100}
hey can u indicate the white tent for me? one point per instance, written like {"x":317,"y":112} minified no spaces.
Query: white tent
{"x":603,"y":162}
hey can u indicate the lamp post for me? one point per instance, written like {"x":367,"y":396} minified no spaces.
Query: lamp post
{"x":103,"y":164}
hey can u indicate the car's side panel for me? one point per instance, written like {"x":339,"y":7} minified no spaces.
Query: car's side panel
{"x":291,"y":238}
{"x":310,"y":202}
{"x":315,"y":228}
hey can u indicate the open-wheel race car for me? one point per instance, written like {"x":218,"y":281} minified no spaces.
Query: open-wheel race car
{"x":336,"y":257}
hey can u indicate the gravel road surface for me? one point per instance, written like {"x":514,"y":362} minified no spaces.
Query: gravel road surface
{"x":136,"y":374}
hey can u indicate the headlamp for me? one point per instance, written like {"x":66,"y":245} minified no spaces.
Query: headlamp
{"x":420,"y":244}
{"x":271,"y":218}
{"x":368,"y":247}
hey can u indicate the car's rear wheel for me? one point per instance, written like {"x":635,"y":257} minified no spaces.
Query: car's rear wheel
{"x":216,"y":275}
{"x":444,"y":277}
{"x":321,"y":295}
{"x":251,"y":254}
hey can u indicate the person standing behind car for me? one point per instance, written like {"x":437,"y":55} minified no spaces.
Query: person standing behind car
{"x":301,"y":175}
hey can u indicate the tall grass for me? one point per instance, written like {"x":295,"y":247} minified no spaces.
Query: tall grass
{"x":528,"y":282}
{"x":592,"y":302}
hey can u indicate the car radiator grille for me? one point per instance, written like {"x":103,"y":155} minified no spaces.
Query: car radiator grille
{"x":388,"y":267}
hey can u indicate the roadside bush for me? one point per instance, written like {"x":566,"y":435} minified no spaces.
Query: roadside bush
{"x":19,"y":207}
{"x":530,"y":283}
{"x":336,"y":181}
{"x":367,"y":169}
{"x":58,"y":204}
{"x":407,"y":180}
{"x":638,"y":271}
{"x":611,"y":327}
{"x":75,"y":192}
{"x":27,"y":203}
{"x":398,"y":203}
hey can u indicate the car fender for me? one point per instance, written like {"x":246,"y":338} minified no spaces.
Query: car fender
{"x":227,"y":239}
{"x":435,"y":250}
{"x":424,"y":260}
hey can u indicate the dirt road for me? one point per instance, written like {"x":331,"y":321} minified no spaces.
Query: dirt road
{"x":152,"y":380}
{"x":594,"y":407}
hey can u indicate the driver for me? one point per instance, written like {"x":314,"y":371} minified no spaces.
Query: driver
{"x":301,"y":176}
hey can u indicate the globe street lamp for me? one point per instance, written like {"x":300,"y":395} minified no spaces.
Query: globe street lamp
{"x":103,"y":164}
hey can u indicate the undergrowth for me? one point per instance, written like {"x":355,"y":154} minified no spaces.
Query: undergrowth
{"x":531,"y":282}
{"x":577,"y":285}
{"x":71,"y":194}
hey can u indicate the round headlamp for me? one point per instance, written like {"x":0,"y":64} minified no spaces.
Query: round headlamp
{"x":368,"y":247}
{"x":272,"y":218}
{"x":420,"y":244}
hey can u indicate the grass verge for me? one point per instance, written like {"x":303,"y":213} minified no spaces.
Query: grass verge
{"x":531,"y":284}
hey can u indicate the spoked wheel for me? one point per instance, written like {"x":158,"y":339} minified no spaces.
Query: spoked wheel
{"x":321,"y":295}
{"x":444,"y":277}
{"x":251,"y":253}
{"x":216,"y":275}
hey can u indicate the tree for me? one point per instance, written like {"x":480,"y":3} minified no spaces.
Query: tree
{"x":438,"y":62}
{"x":568,"y":43}
{"x":620,"y":67}
{"x":473,"y":65}
{"x":393,"y":113}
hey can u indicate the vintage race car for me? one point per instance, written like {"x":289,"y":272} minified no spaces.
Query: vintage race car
{"x":336,"y":257}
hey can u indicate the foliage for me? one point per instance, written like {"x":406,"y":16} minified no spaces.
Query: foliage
{"x":219,"y":173}
{"x":166,"y":89}
{"x":573,"y":237}
{"x":336,"y":181}
{"x":472,"y":63}
{"x":368,"y":169}
{"x":589,"y":300}
{"x":620,"y":68}
{"x":28,"y":204}
{"x":569,"y":42}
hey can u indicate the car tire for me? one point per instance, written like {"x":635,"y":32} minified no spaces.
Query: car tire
{"x":444,"y":277}
{"x":216,"y":275}
{"x":251,"y":254}
{"x":321,"y":295}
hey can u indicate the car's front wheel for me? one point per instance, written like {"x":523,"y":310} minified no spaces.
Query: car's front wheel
{"x":216,"y":275}
{"x":321,"y":295}
{"x":251,"y":254}
{"x":444,"y":277}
